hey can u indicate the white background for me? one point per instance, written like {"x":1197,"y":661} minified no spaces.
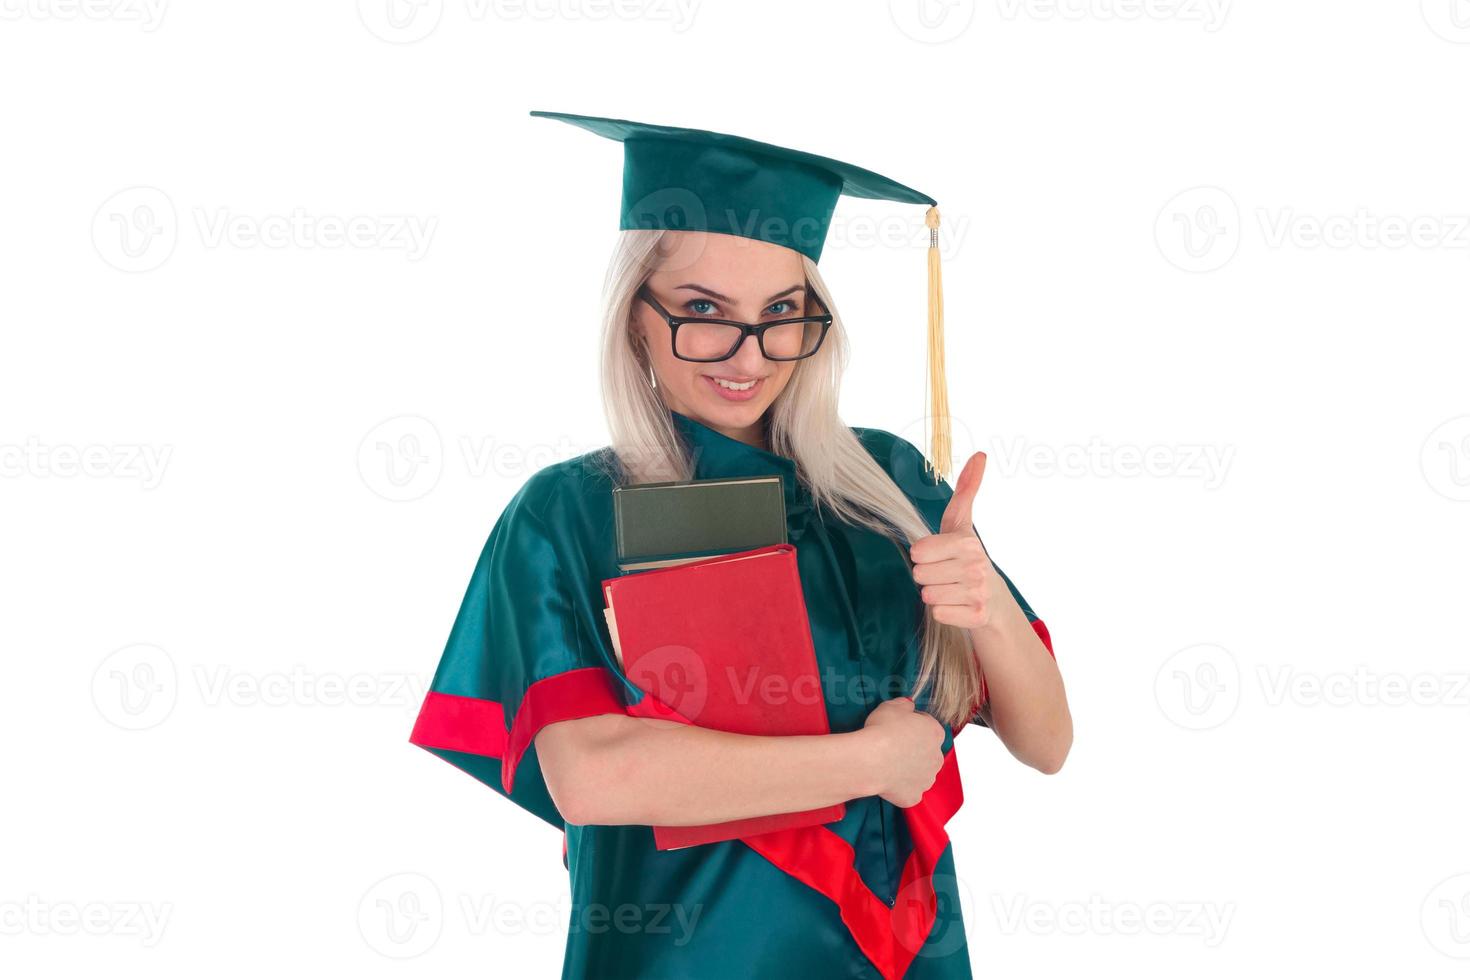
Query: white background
{"x":248,"y":467}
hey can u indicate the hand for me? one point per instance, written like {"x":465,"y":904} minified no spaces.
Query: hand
{"x":952,"y":568}
{"x":904,"y":745}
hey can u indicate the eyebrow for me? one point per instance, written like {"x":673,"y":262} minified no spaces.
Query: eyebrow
{"x":725,"y":299}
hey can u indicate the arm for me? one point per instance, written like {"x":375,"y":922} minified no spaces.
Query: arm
{"x":617,"y":769}
{"x":1027,"y":708}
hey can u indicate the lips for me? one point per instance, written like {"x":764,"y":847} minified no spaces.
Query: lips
{"x":731,"y":395}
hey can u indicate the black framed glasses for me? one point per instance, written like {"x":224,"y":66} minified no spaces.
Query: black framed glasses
{"x":698,"y":338}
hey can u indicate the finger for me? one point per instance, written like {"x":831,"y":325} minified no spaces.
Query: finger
{"x":953,"y":615}
{"x":942,"y":572}
{"x":959,"y":511}
{"x":953,"y":594}
{"x":942,"y":547}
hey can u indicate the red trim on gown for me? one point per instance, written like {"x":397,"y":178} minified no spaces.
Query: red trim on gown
{"x":890,"y":937}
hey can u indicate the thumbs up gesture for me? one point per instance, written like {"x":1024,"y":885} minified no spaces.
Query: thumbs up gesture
{"x":954,"y":573}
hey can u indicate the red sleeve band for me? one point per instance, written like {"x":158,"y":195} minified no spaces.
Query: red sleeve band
{"x":477,"y":725}
{"x":889,"y":936}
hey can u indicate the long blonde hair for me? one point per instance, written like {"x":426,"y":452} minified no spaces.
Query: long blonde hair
{"x":841,"y":476}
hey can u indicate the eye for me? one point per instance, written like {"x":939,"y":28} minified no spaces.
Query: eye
{"x":790,"y":307}
{"x":693,"y":307}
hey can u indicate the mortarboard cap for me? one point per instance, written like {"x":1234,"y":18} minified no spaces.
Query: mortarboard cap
{"x":696,"y":180}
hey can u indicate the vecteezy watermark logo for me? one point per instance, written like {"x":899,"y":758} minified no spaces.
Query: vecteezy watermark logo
{"x":897,"y":232}
{"x":676,"y":920}
{"x":908,"y":465}
{"x":932,"y":21}
{"x":407,"y":21}
{"x":1201,"y":687}
{"x":1198,"y":687}
{"x":1208,"y":464}
{"x":136,"y":229}
{"x":675,"y":675}
{"x":402,"y":916}
{"x":1362,"y":229}
{"x":125,"y":461}
{"x":1199,"y":229}
{"x":407,"y":233}
{"x":953,"y":904}
{"x":221,"y":685}
{"x":400,"y":21}
{"x":675,"y":209}
{"x":1361,"y":687}
{"x":1209,"y":13}
{"x":1445,"y":459}
{"x":1450,"y":19}
{"x":34,"y":916}
{"x":136,"y":687}
{"x":147,"y":14}
{"x":679,"y":14}
{"x":402,"y":458}
{"x":1445,"y":916}
{"x":673,"y":922}
{"x":1207,"y":921}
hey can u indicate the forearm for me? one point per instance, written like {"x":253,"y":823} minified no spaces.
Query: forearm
{"x":612,"y":769}
{"x":1027,"y":706}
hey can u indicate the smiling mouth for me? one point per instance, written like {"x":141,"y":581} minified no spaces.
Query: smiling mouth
{"x":734,"y":386}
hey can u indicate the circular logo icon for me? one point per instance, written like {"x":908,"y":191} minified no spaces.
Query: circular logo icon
{"x":1199,"y":229}
{"x":1198,"y":687}
{"x":932,"y":21}
{"x":401,"y":916}
{"x":136,"y":687}
{"x":1445,"y":916}
{"x":401,"y":459}
{"x":672,"y":209}
{"x":1445,"y":459}
{"x":1450,"y":19}
{"x":135,"y":230}
{"x":911,"y":470}
{"x":952,"y":902}
{"x":675,"y":675}
{"x":400,"y":21}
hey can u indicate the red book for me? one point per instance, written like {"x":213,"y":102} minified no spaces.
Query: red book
{"x":726,"y":644}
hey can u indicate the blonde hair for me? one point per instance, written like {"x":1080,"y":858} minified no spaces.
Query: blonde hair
{"x":841,"y":476}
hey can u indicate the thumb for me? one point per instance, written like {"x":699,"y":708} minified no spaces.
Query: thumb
{"x":959,"y":511}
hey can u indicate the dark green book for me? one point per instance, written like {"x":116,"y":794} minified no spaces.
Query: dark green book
{"x":684,"y":520}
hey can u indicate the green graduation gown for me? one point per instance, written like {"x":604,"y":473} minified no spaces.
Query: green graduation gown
{"x":873,"y":895}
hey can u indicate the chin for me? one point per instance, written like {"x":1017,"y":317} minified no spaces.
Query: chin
{"x":735,"y":415}
{"x":735,"y":412}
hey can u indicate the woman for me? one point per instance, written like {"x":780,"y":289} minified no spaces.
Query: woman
{"x":529,"y":697}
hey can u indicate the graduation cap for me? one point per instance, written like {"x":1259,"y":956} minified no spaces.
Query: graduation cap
{"x":696,"y":180}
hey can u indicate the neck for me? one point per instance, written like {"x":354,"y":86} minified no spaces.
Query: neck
{"x":752,"y":435}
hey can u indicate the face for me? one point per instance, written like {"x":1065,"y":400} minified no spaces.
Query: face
{"x":733,"y":278}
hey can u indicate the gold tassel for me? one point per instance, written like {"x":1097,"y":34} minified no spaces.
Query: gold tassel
{"x":939,"y":460}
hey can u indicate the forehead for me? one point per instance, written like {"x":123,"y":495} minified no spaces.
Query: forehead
{"x":732,"y":261}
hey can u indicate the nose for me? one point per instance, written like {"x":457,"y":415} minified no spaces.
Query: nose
{"x":747,"y":360}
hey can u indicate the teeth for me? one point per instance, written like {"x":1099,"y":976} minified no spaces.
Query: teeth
{"x":733,"y":386}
